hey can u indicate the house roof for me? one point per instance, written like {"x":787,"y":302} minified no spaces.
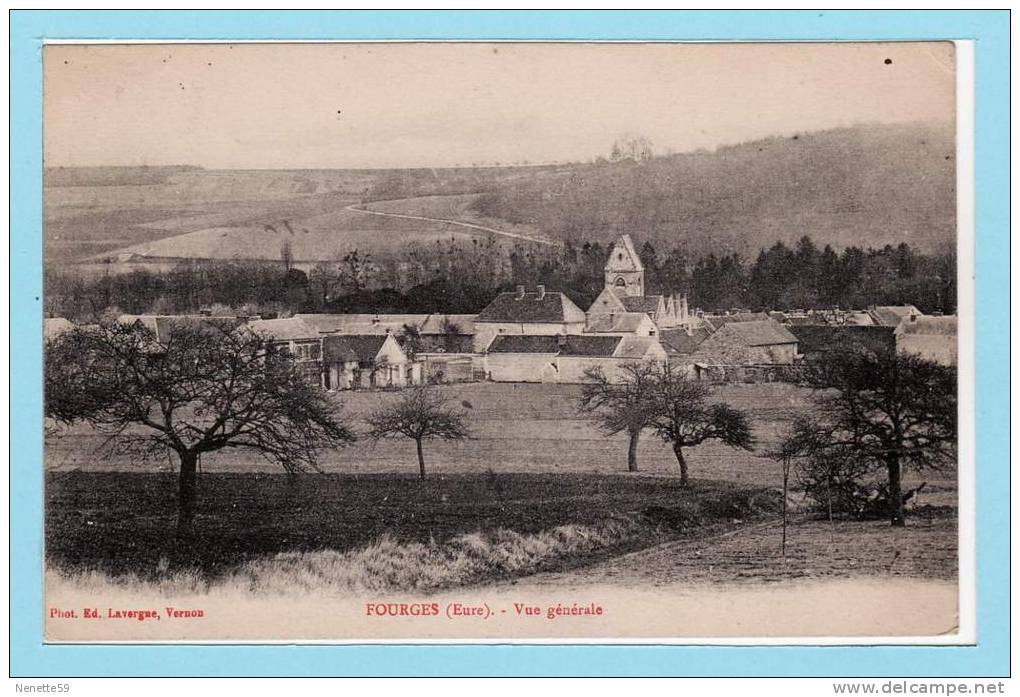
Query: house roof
{"x":287,"y":329}
{"x":435,"y":324}
{"x":524,"y":343}
{"x":564,"y":345}
{"x":722,"y":320}
{"x":635,"y":346}
{"x":55,"y":326}
{"x":936,"y":325}
{"x":892,"y":315}
{"x":679,"y":341}
{"x":346,"y":347}
{"x":760,"y":333}
{"x":163,"y":325}
{"x":617,"y":322}
{"x":595,"y":346}
{"x":360,"y":323}
{"x":551,"y":307}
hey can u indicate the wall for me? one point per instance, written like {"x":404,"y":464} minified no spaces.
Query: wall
{"x":940,"y":348}
{"x":521,"y":367}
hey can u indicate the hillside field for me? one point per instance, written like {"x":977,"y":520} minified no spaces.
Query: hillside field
{"x":866,"y":186}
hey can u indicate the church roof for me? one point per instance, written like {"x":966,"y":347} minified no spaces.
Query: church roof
{"x":641,"y":303}
{"x":630,"y":260}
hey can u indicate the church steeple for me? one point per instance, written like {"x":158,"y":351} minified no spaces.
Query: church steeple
{"x":625,"y":274}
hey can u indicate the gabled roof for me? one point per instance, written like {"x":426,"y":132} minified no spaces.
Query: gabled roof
{"x":628,"y":322}
{"x":435,"y":324}
{"x":635,"y":346}
{"x":944,"y":325}
{"x":892,"y":315}
{"x":641,"y":303}
{"x":631,"y":261}
{"x":550,"y":307}
{"x":360,"y":323}
{"x":345,"y":347}
{"x":761,"y":333}
{"x":679,"y":341}
{"x":163,"y":325}
{"x":287,"y":329}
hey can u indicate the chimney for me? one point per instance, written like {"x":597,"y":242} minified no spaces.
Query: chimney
{"x":541,"y":291}
{"x":520,"y":292}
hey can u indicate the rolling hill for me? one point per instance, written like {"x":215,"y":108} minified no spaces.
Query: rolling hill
{"x":866,"y":186}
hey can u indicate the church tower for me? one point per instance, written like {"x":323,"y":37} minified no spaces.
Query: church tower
{"x":625,"y":275}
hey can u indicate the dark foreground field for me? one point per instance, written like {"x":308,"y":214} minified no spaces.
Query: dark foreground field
{"x":123,"y":523}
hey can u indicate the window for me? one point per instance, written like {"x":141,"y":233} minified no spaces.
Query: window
{"x":620,"y":283}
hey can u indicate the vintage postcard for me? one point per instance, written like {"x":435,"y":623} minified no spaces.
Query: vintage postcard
{"x":506,"y":342}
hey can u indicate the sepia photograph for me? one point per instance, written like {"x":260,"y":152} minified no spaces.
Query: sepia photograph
{"x":526,"y":342}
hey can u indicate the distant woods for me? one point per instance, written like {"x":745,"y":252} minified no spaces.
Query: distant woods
{"x":463,"y":277}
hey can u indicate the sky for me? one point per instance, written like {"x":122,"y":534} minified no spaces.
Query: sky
{"x":342,"y":105}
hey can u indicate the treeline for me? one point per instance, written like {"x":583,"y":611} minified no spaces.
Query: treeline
{"x":463,"y":277}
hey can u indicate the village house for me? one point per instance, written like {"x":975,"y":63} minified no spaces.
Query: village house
{"x":761,"y":342}
{"x":523,"y":313}
{"x":565,"y":358}
{"x":933,"y":338}
{"x":624,"y":291}
{"x":342,"y":361}
{"x":892,"y":315}
{"x":352,"y":361}
{"x":635,"y":323}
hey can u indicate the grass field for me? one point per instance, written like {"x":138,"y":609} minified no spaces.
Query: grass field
{"x":515,"y":428}
{"x":537,"y":488}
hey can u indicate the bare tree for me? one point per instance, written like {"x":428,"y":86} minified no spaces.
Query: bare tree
{"x":286,"y":255}
{"x":620,"y":406}
{"x":354,"y":271}
{"x":631,"y":147}
{"x":683,"y":416}
{"x":206,"y":386}
{"x":889,"y":409}
{"x":419,"y":413}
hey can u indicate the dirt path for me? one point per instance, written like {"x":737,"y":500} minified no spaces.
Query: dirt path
{"x":752,"y":555}
{"x":515,"y":235}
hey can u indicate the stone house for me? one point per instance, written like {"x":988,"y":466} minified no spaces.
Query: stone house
{"x":527,"y":314}
{"x":634,"y":323}
{"x":355,"y":361}
{"x":565,"y":358}
{"x":762,"y":342}
{"x":892,"y":315}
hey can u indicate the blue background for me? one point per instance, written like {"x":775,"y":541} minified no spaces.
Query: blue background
{"x":990,"y":30}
